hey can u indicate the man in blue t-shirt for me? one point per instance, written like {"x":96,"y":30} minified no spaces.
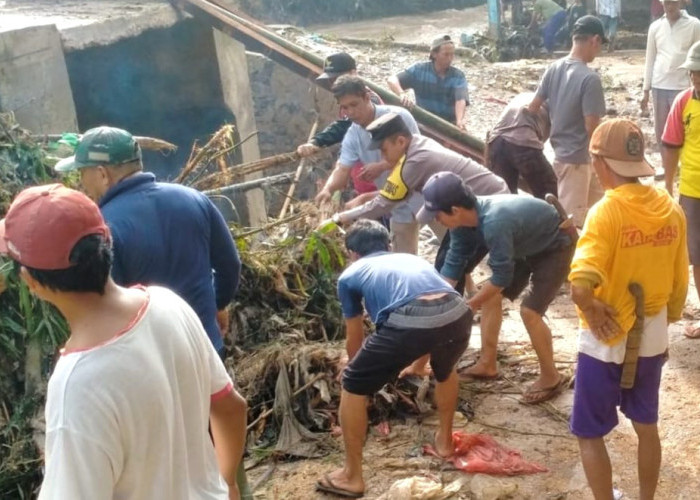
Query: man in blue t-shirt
{"x":416,"y":313}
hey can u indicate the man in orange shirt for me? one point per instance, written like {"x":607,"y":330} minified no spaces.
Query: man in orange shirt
{"x":681,"y":142}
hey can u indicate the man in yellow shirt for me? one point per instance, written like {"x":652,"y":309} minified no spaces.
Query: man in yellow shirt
{"x":635,"y":234}
{"x":681,"y":142}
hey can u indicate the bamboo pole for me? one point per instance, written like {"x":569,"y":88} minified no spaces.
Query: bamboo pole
{"x":297,"y":175}
{"x":247,"y":186}
{"x":309,"y":66}
{"x":244,"y":169}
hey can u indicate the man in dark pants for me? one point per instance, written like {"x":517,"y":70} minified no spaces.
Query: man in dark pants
{"x":416,"y":313}
{"x":526,"y":247}
{"x":162,"y":234}
{"x":515,"y":147}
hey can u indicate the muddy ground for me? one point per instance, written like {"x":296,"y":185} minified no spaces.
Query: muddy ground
{"x":539,"y":432}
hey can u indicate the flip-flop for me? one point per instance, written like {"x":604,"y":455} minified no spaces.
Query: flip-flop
{"x":329,"y":487}
{"x":543,"y":394}
{"x":477,"y":376}
{"x":692,"y":333}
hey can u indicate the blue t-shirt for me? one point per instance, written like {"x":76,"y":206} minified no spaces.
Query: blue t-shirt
{"x":173,"y":236}
{"x":387,"y":281}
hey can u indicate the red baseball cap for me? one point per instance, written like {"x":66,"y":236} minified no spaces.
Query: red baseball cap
{"x":44,"y":223}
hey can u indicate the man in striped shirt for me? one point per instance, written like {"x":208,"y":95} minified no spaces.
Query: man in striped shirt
{"x":438,"y":86}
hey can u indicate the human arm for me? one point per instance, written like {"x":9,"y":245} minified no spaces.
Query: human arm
{"x":354,"y":335}
{"x":224,"y":259}
{"x":371,"y":171}
{"x":669,"y":159}
{"x":375,"y":208}
{"x":673,"y":138}
{"x":401,"y":89}
{"x":591,"y":122}
{"x":331,"y":135}
{"x":679,"y":291}
{"x":486,"y":291}
{"x":535,"y":105}
{"x":599,"y":315}
{"x":228,"y":418}
{"x":77,"y":466}
{"x":337,"y":180}
{"x":360,"y":199}
{"x":648,"y":67}
{"x":592,"y":103}
{"x":462,"y":245}
{"x":461,"y":114}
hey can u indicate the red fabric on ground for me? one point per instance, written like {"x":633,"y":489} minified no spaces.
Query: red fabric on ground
{"x":480,"y":453}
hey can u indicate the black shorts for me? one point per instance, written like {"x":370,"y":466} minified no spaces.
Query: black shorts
{"x":395,"y":346}
{"x":508,"y":160}
{"x":545,"y":273}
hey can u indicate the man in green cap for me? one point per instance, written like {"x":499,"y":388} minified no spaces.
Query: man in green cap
{"x":162,"y":234}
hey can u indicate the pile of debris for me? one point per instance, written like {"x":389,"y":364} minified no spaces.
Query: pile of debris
{"x":30,"y":330}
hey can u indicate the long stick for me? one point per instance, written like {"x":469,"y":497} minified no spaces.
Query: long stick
{"x":242,"y":169}
{"x":297,"y":174}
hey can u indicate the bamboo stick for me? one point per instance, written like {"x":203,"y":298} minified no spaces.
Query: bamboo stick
{"x":297,"y":175}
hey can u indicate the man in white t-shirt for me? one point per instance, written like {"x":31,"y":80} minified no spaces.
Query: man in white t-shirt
{"x":137,"y":384}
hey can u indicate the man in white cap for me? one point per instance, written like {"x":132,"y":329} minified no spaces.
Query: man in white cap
{"x":668,"y":42}
{"x":681,"y":143}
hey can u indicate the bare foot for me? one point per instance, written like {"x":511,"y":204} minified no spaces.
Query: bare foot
{"x":480,"y":370}
{"x":339,"y":480}
{"x":444,"y":445}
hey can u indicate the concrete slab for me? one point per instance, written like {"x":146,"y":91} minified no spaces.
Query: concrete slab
{"x":34,"y":81}
{"x":88,"y":23}
{"x":235,"y":86}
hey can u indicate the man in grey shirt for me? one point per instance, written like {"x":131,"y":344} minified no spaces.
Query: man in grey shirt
{"x":574,"y":93}
{"x":354,"y":100}
{"x":515,"y":147}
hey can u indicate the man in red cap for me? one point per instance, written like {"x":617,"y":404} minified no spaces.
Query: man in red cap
{"x":137,"y":383}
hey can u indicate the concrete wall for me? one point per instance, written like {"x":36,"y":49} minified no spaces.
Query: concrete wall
{"x":237,"y":96}
{"x":285,"y":105}
{"x":163,"y":83}
{"x":34,"y":81}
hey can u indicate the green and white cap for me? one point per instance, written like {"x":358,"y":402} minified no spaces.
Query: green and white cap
{"x":102,"y":146}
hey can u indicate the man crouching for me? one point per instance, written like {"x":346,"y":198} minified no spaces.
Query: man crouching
{"x":416,"y":312}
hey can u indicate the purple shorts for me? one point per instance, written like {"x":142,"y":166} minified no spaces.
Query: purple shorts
{"x":597,"y":394}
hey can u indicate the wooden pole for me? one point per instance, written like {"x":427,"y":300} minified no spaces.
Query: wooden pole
{"x":297,"y":175}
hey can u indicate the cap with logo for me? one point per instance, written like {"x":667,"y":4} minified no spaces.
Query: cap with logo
{"x":692,"y":60}
{"x":337,"y":64}
{"x":621,"y":143}
{"x":441,"y":192}
{"x":102,"y":146}
{"x":386,"y":126}
{"x":44,"y":223}
{"x":589,"y":25}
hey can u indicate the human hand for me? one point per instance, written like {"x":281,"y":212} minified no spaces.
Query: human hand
{"x":601,"y":320}
{"x":644,"y":104}
{"x":307,"y":149}
{"x":408,"y":100}
{"x":371,"y":171}
{"x":323,"y":196}
{"x":223,"y":319}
